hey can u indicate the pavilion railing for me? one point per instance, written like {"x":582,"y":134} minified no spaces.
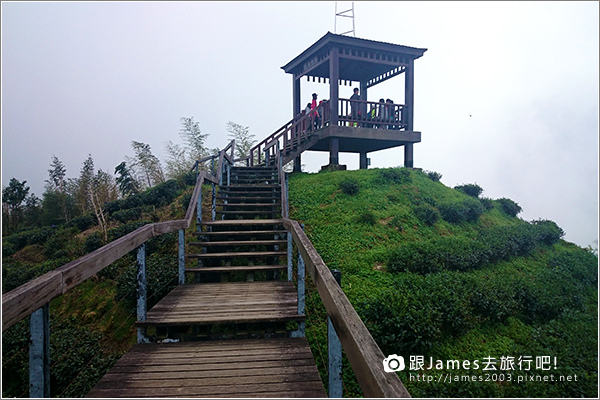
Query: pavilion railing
{"x":352,"y":113}
{"x":371,"y":114}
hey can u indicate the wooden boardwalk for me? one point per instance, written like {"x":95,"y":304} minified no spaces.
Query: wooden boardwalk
{"x":226,"y":303}
{"x":226,"y":368}
{"x":242,"y":366}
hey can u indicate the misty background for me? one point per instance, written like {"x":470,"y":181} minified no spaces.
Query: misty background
{"x":506,"y":95}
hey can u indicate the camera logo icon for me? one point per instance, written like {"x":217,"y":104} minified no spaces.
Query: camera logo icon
{"x":393,"y":363}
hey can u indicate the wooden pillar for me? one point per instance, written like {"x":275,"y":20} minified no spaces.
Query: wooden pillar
{"x":363,"y":90}
{"x":409,"y":94}
{"x":297,"y":164}
{"x":408,"y":155}
{"x":363,"y":161}
{"x":334,"y":151}
{"x":334,"y":85}
{"x":296,"y":96}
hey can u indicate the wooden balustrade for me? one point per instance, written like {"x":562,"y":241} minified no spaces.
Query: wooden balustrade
{"x":370,"y":114}
{"x":362,"y":351}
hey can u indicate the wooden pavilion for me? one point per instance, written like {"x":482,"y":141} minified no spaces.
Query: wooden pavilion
{"x":358,"y":126}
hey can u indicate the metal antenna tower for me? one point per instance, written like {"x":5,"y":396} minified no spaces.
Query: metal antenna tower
{"x":349,"y":13}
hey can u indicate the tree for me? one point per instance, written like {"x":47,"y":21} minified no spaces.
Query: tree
{"x":101,"y":190}
{"x":126,"y":182}
{"x":146,"y":166}
{"x":83,"y":185}
{"x":57,"y":175}
{"x":178,"y":162}
{"x":194,"y":138}
{"x":13,"y":197}
{"x":182,"y":158}
{"x":244,"y":140}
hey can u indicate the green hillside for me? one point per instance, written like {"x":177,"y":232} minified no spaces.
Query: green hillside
{"x":449,"y":275}
{"x":433,"y":272}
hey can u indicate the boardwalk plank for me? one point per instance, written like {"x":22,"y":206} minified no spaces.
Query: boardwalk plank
{"x":282,"y":367}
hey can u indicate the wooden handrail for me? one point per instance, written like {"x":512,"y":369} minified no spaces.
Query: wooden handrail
{"x":22,"y":301}
{"x":362,"y":351}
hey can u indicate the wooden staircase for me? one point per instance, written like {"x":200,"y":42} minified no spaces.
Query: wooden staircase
{"x":237,"y":261}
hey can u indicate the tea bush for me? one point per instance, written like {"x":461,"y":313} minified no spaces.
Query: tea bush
{"x":548,"y":231}
{"x":349,"y":186}
{"x":471,"y":189}
{"x":427,"y":214}
{"x":458,"y":211}
{"x":367,"y":217}
{"x":396,"y":176}
{"x":509,"y":206}
{"x":83,"y":222}
{"x":434,"y":176}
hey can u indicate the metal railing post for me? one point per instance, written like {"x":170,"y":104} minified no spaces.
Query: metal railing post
{"x":141,"y":291}
{"x":334,"y":347}
{"x":39,"y":353}
{"x":182,"y":257}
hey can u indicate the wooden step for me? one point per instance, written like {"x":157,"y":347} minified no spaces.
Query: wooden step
{"x":226,"y":303}
{"x":237,"y":268}
{"x":245,"y":222}
{"x":273,"y":213}
{"x":238,"y":199}
{"x":246,"y":205}
{"x":238,"y":254}
{"x":272,"y":367}
{"x":239,"y":243}
{"x":251,"y":188}
{"x":241,"y":233}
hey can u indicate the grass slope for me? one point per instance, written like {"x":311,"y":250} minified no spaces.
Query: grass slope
{"x":440,"y":274}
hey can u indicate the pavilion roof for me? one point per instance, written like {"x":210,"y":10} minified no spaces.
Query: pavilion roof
{"x":359,"y":59}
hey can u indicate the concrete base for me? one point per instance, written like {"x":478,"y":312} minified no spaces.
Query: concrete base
{"x":333,"y":167}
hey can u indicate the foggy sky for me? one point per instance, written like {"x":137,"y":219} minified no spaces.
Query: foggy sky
{"x":506,"y":95}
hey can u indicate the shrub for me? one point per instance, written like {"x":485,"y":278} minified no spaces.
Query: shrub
{"x":82,"y":223}
{"x":367,"y":217}
{"x":582,"y":266}
{"x":487,"y":203}
{"x":420,"y":257}
{"x":393,"y":175}
{"x":93,"y":242}
{"x":471,"y":189}
{"x":160,"y":195}
{"x":349,"y":186}
{"x":190,"y":178}
{"x":427,"y":214}
{"x":509,"y":206}
{"x":434,"y":176}
{"x":59,"y":244}
{"x":128,"y":214}
{"x":548,"y":232}
{"x":462,"y":210}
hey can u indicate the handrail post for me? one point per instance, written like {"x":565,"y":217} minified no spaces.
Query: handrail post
{"x":290,"y":266}
{"x":334,"y":347}
{"x":39,"y":353}
{"x":141,"y":291}
{"x":300,"y":332}
{"x":182,"y":256}
{"x":199,"y":211}
{"x":213,"y":192}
